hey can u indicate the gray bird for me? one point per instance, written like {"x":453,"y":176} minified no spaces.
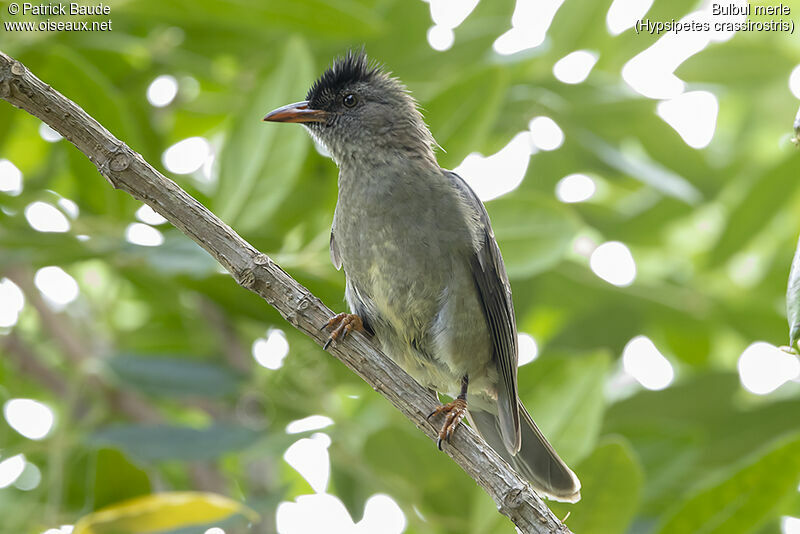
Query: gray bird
{"x":423,"y":271}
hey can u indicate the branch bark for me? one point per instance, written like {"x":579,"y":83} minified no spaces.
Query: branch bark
{"x":127,"y":170}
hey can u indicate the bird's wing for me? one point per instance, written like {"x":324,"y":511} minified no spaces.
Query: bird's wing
{"x":335,"y":258}
{"x":494,"y":289}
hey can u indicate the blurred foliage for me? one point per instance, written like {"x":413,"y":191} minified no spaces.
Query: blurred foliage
{"x":149,"y":370}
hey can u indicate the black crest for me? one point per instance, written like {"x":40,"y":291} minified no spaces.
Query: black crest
{"x":353,"y":67}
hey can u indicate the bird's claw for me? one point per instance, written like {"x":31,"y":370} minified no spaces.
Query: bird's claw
{"x":455,"y":412}
{"x":340,"y":325}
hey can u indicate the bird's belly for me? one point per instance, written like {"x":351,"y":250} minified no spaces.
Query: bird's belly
{"x":426,"y":314}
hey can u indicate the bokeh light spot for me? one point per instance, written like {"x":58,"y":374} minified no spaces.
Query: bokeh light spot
{"x":440,"y":38}
{"x":575,"y":67}
{"x":29,"y":479}
{"x":382,"y":515}
{"x":44,"y":217}
{"x":143,"y":235}
{"x":10,"y":178}
{"x":10,"y":469}
{"x":575,"y":188}
{"x":613,"y":262}
{"x":623,"y":14}
{"x":790,"y":525}
{"x":529,"y":25}
{"x":309,"y":457}
{"x":643,"y":361}
{"x":312,"y":422}
{"x":58,"y":287}
{"x":545,"y":133}
{"x":31,"y":419}
{"x":49,"y":134}
{"x":162,"y":91}
{"x":270,"y":352}
{"x":498,"y":174}
{"x":187,"y":156}
{"x":147,"y":215}
{"x":693,"y":115}
{"x":763,"y":368}
{"x":11,"y":303}
{"x":528,"y":349}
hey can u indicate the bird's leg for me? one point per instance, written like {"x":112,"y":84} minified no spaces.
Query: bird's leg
{"x":455,"y":412}
{"x":340,"y":325}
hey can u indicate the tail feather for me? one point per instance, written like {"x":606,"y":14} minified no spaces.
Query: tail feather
{"x":536,"y":460}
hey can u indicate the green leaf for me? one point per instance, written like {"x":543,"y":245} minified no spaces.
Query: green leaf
{"x":22,"y":245}
{"x":611,"y":485}
{"x":483,"y":517}
{"x":177,"y":255}
{"x":81,"y":77}
{"x":757,"y":205}
{"x":565,"y":397}
{"x":534,"y":232}
{"x":259,"y":22}
{"x":150,"y":443}
{"x":694,"y":432}
{"x":687,"y":338}
{"x":259,"y":163}
{"x":161,"y":512}
{"x":436,"y":485}
{"x":635,"y":163}
{"x":116,"y":479}
{"x":461,"y":115}
{"x":578,"y":24}
{"x":741,"y":62}
{"x":81,"y":80}
{"x":172,"y":376}
{"x":7,"y":116}
{"x":473,"y":39}
{"x":745,"y":498}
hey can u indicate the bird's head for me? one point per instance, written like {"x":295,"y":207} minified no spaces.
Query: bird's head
{"x":357,"y":110}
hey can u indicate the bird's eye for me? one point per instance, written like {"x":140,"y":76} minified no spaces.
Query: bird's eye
{"x":350,"y":100}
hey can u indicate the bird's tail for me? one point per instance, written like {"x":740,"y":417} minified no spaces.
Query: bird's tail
{"x":536,"y":460}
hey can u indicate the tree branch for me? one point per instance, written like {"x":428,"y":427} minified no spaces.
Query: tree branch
{"x":125,"y":169}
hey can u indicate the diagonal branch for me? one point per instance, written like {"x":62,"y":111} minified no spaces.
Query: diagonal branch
{"x":125,"y":169}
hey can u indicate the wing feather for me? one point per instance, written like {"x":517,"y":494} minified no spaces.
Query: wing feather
{"x":494,"y":289}
{"x":335,"y":258}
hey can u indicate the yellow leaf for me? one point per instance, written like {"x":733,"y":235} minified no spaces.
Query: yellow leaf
{"x":162,"y":511}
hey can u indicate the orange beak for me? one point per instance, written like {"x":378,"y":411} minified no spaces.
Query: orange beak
{"x":297,"y":112}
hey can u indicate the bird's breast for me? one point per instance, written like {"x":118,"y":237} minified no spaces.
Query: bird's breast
{"x":405,"y":252}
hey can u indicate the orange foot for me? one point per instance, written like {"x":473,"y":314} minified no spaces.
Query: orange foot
{"x":340,"y":325}
{"x":455,"y":411}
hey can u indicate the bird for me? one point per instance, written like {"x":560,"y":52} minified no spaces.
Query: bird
{"x":423,"y":272}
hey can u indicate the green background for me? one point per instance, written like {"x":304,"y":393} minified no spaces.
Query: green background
{"x":163,"y":329}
